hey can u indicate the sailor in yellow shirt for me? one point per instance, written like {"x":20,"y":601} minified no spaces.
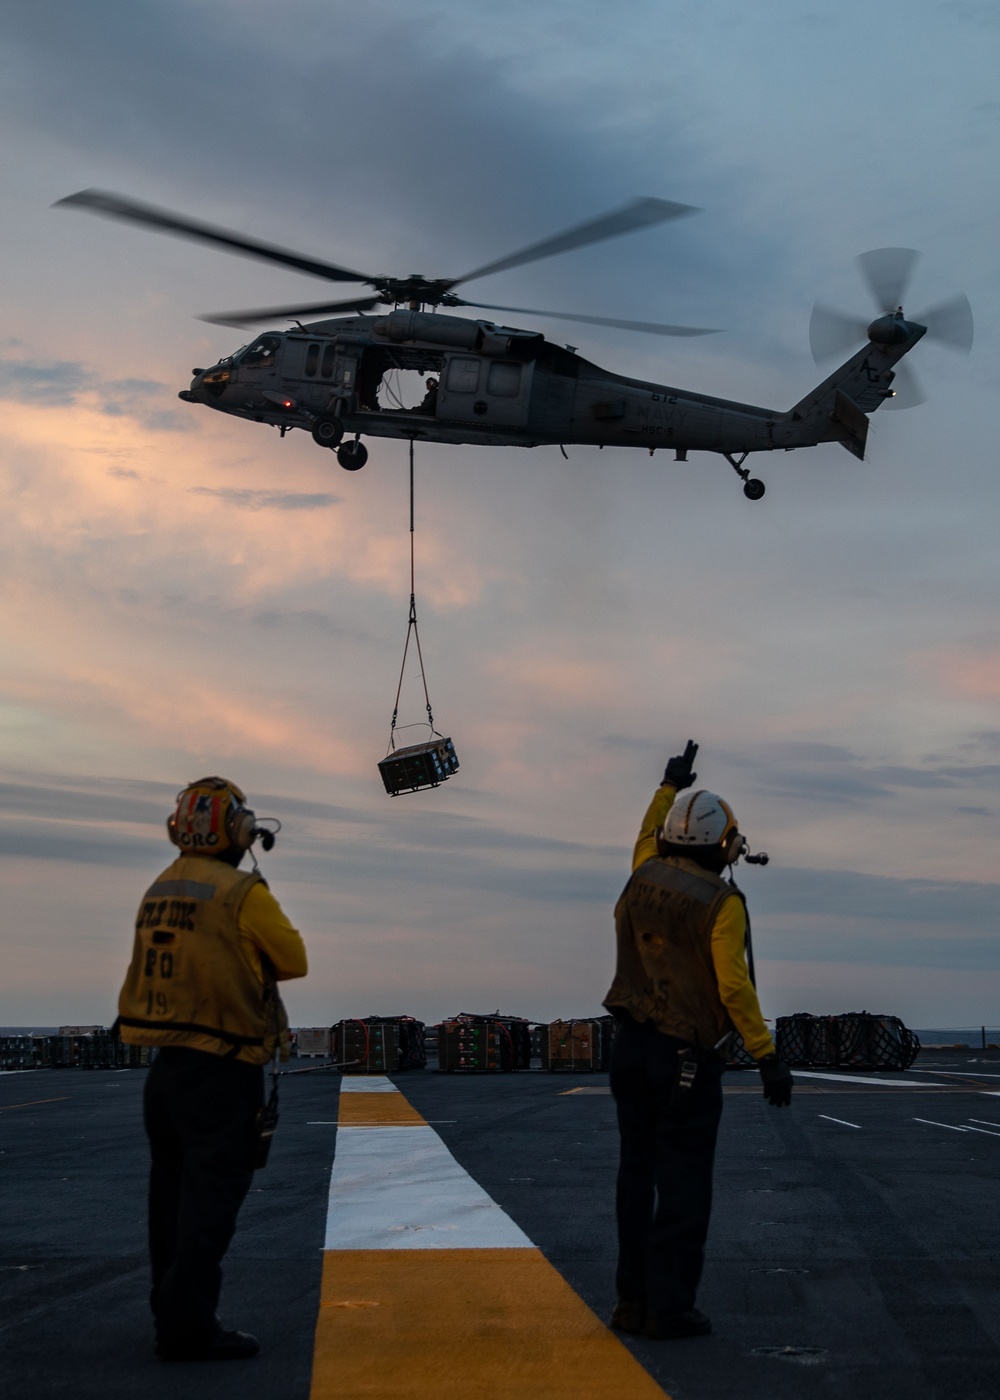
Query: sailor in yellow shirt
{"x":211,"y":945}
{"x":680,"y":991}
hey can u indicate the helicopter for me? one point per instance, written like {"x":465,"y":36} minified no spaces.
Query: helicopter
{"x":500,"y":386}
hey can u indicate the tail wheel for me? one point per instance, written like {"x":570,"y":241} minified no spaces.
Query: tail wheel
{"x":753,"y":489}
{"x":328,"y":431}
{"x":352,"y":456}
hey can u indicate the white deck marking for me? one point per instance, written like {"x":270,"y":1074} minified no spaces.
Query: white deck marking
{"x":367,"y":1084}
{"x":985,"y":1131}
{"x":398,"y":1187}
{"x":862,"y":1079}
{"x":839,"y":1120}
{"x":950,"y":1126}
{"x":988,"y":1121}
{"x":961,"y":1073}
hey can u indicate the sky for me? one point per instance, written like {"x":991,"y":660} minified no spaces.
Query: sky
{"x":185,"y":593}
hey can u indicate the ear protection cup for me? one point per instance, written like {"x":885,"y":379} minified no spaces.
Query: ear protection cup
{"x":735,"y":846}
{"x":241,"y":825}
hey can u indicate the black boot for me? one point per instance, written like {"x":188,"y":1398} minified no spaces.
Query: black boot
{"x":224,"y":1346}
{"x":690,"y":1323}
{"x":628,"y":1316}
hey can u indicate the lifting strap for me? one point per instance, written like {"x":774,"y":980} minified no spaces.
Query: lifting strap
{"x":411,"y":627}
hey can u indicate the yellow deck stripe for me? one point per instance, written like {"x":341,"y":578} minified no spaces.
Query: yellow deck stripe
{"x":489,"y":1323}
{"x":388,"y":1109}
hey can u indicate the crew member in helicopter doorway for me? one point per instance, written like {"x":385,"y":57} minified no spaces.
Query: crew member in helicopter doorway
{"x":681,"y":989}
{"x":211,"y":945}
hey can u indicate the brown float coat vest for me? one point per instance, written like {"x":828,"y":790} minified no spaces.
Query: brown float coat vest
{"x":189,"y":982}
{"x":665,"y":973}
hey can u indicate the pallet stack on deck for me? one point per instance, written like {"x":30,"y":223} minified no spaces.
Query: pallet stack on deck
{"x":472,"y":1044}
{"x":313,"y":1040}
{"x":578,"y":1046}
{"x":58,"y":1051}
{"x":379,"y":1045}
{"x":97,"y":1051}
{"x":859,"y":1040}
{"x":572,"y":1046}
{"x":17,"y":1052}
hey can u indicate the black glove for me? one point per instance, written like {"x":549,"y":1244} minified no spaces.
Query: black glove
{"x":777,"y":1080}
{"x":678,"y":770}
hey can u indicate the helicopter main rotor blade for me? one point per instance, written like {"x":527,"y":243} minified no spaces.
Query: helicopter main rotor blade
{"x":834,"y":333}
{"x":114,"y":206}
{"x":950,"y":323}
{"x":907,"y":391}
{"x":887,"y":272}
{"x":638,"y":213}
{"x":652,"y":327}
{"x":288,"y":313}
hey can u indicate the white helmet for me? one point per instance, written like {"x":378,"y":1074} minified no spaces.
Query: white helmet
{"x":701,"y":819}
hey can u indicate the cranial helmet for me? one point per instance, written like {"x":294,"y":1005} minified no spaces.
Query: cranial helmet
{"x":212,"y":817}
{"x":702,"y":819}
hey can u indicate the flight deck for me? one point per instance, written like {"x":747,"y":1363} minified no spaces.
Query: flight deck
{"x":425,"y":1233}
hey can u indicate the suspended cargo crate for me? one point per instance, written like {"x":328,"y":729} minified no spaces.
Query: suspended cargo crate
{"x":433,"y":762}
{"x":418,"y":766}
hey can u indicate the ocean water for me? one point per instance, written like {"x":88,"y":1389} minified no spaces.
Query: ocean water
{"x":960,"y":1035}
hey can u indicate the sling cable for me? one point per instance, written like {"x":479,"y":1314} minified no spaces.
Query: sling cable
{"x":418,"y":765}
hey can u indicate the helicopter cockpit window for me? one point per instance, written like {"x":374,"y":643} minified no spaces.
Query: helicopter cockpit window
{"x":504,"y":380}
{"x":326,"y":369}
{"x":463,"y":374}
{"x":312,"y":360}
{"x":262,"y":353}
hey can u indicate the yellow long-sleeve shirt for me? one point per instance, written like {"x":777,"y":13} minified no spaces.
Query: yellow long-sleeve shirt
{"x":737,"y":992}
{"x":264,"y":928}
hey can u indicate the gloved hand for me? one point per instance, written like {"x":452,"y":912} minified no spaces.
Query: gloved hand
{"x":777,"y":1081}
{"x":678,"y":770}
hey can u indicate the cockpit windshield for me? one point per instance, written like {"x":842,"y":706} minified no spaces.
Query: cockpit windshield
{"x":262,"y":353}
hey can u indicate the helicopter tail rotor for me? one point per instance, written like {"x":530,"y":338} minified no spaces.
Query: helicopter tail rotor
{"x":887,"y":273}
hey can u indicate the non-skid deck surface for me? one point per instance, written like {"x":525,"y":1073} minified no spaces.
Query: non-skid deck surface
{"x":424,"y":1272}
{"x":852,"y":1252}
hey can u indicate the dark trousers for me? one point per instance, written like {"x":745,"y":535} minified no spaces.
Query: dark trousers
{"x":664,"y":1195}
{"x":200,"y":1113}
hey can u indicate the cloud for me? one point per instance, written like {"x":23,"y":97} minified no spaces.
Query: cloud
{"x":245,"y":498}
{"x":150,"y":628}
{"x":67,"y":383}
{"x":56,"y":384}
{"x":848,"y":894}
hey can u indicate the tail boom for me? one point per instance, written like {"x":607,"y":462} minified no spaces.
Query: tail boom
{"x":837,"y":410}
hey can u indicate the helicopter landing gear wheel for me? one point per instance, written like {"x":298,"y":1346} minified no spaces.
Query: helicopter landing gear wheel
{"x":352,"y":456}
{"x":752,"y":488}
{"x":328,"y":431}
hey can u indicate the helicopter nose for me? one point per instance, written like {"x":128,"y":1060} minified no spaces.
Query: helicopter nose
{"x":188,"y":396}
